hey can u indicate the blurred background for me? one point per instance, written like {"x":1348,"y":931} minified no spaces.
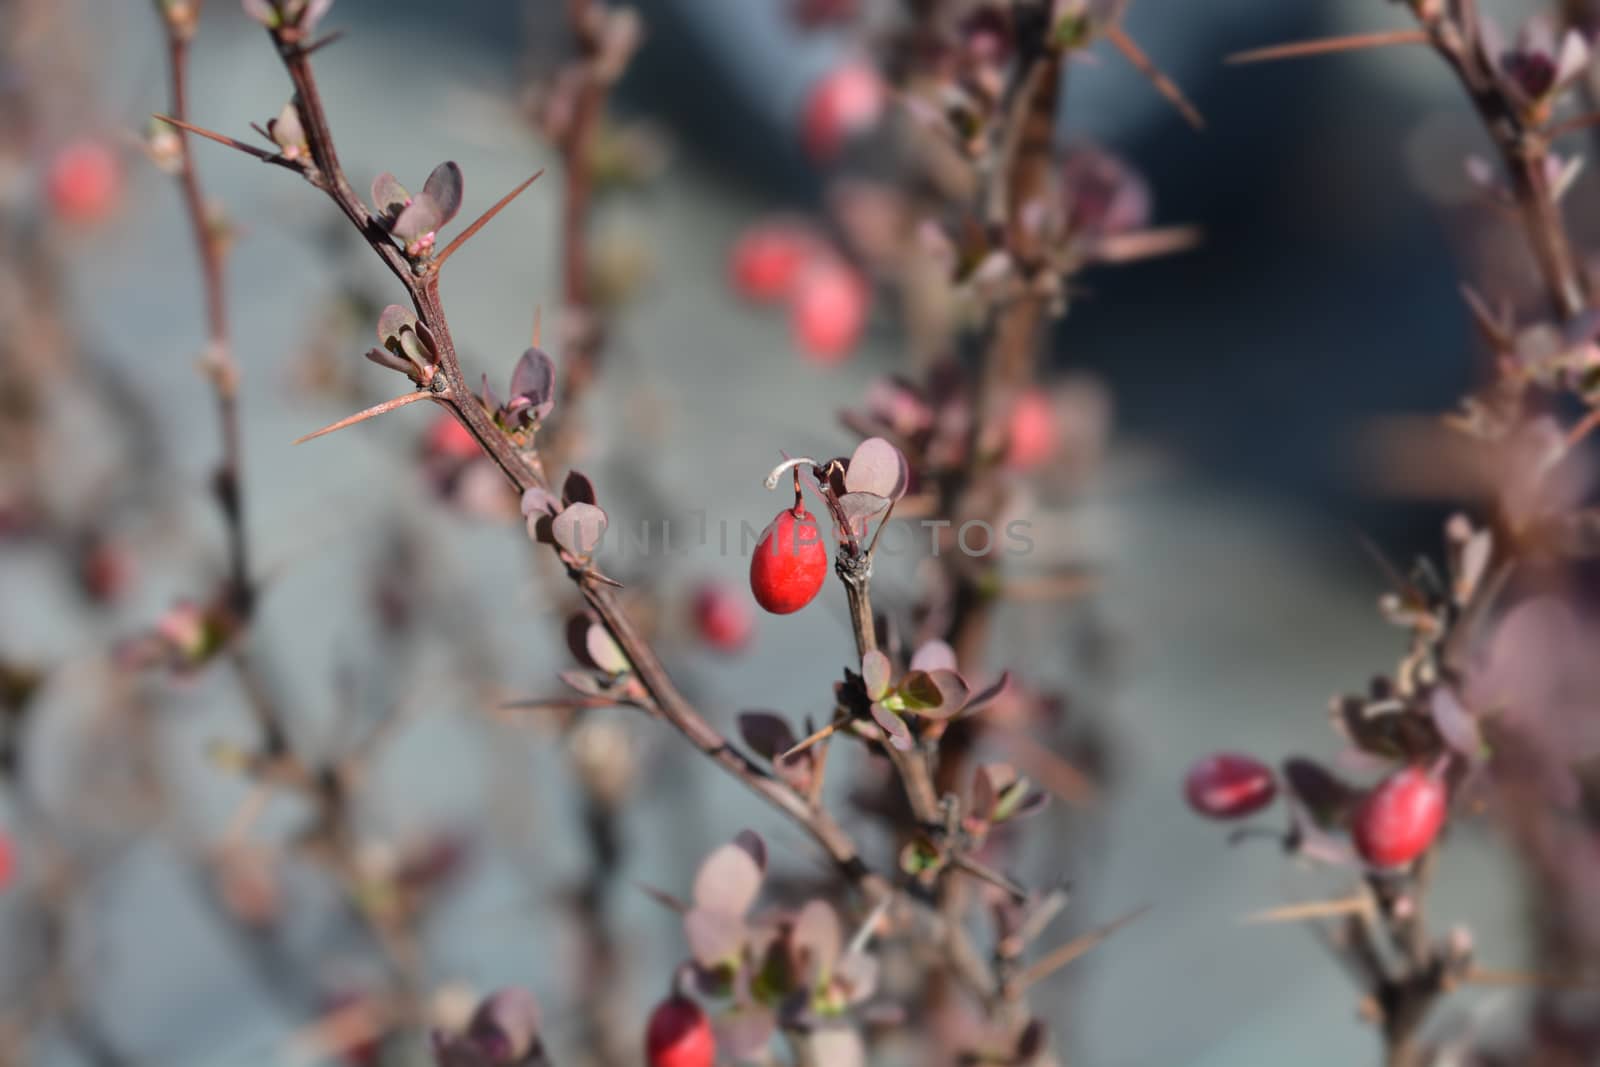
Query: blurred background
{"x":1228,"y":518}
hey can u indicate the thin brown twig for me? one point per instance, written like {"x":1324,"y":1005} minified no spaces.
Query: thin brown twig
{"x":1328,"y":46}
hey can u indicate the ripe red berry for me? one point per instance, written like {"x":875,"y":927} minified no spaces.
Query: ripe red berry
{"x":1399,"y":820}
{"x":722,"y":619}
{"x":679,"y":1035}
{"x":84,"y":182}
{"x":1033,"y":430}
{"x":1229,"y":786}
{"x":845,"y":102}
{"x":448,"y":438}
{"x":790,"y":562}
{"x":768,"y":258}
{"x":829,"y":310}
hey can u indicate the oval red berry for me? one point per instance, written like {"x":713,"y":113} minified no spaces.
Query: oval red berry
{"x":1229,"y":786}
{"x":790,"y":563}
{"x":679,"y":1035}
{"x":1399,"y":820}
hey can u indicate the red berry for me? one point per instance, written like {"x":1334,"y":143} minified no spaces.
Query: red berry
{"x":768,"y":259}
{"x":722,"y":619}
{"x":790,"y":562}
{"x":846,"y":101}
{"x":1229,"y":786}
{"x":679,"y":1035}
{"x":447,"y":437}
{"x":1033,"y":430}
{"x":84,"y":182}
{"x":829,"y":310}
{"x":1399,"y":820}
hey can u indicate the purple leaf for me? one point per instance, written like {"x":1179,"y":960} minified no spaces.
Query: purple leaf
{"x":746,"y":1031}
{"x":768,"y":735}
{"x":285,"y":130}
{"x":389,"y":196}
{"x":1456,"y":724}
{"x":392,"y":321}
{"x":875,"y":672}
{"x":417,"y":219}
{"x":728,"y":881}
{"x":714,"y":936}
{"x":533,"y":383}
{"x":603,"y":650}
{"x":861,"y":508}
{"x":385,"y":358}
{"x":877,"y":467}
{"x":444,"y":188}
{"x":981,"y":699}
{"x":1320,"y":793}
{"x":936,"y":694}
{"x":894,"y":727}
{"x":934,"y":655}
{"x":817,"y":939}
{"x":754,"y":846}
{"x":505,"y":1028}
{"x":857,"y":973}
{"x":577,"y":489}
{"x":539,"y":501}
{"x":579,"y":528}
{"x":836,"y":1046}
{"x":263,"y":11}
{"x":313,"y":13}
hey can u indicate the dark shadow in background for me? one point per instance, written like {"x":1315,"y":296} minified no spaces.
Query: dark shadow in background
{"x":1325,"y":292}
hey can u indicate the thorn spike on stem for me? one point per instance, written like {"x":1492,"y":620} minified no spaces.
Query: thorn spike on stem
{"x":370,"y":413}
{"x":817,"y":737}
{"x":483,"y":220}
{"x":1145,"y":65}
{"x":1354,"y":42}
{"x":212,"y":135}
{"x":1064,"y":955}
{"x":538,"y":317}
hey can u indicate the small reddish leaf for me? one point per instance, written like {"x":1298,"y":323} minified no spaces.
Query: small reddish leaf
{"x":767,"y":734}
{"x":714,"y":936}
{"x":579,"y":528}
{"x":934,"y":655}
{"x":817,"y":940}
{"x":754,"y":846}
{"x":577,"y":489}
{"x":603,"y":650}
{"x":879,"y":468}
{"x":728,"y":881}
{"x":875,"y":671}
{"x":444,"y":188}
{"x":389,"y":196}
{"x":894,"y":727}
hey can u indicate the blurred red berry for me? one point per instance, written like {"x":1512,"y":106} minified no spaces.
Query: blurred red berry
{"x":447,"y":437}
{"x":8,"y":862}
{"x":844,"y":103}
{"x":829,"y":310}
{"x":84,"y":182}
{"x":790,"y":562}
{"x":1034,"y":434}
{"x":1399,"y":820}
{"x":768,"y":258}
{"x":1229,"y":786}
{"x":721,"y":618}
{"x":105,"y":570}
{"x":679,"y":1035}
